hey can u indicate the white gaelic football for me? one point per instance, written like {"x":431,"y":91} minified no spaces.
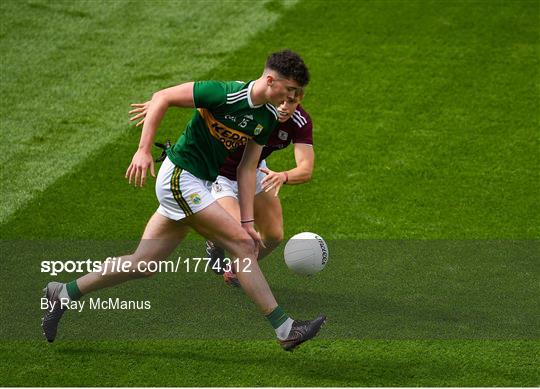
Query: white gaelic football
{"x":306,"y":253}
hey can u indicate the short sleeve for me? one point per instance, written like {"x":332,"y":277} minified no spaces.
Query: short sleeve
{"x":209,"y":94}
{"x":304,"y":134}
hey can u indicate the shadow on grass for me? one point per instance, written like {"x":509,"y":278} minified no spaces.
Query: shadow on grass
{"x":372,"y":314}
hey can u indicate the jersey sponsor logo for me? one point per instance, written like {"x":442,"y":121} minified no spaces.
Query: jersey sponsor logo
{"x":282,"y":135}
{"x":229,"y":137}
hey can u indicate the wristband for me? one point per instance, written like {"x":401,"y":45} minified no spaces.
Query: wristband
{"x":286,"y":177}
{"x":247,"y":221}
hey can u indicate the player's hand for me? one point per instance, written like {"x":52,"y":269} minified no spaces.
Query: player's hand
{"x":273,"y":180}
{"x":254,"y":235}
{"x":136,"y":172}
{"x":140,"y":111}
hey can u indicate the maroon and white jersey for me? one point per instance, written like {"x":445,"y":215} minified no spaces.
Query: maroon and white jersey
{"x":298,"y":129}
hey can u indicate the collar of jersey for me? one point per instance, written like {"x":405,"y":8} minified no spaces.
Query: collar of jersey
{"x":250,"y":86}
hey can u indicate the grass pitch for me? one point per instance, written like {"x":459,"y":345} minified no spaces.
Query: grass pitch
{"x":426,"y":122}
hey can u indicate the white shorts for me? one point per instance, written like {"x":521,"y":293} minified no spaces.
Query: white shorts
{"x":180,"y":193}
{"x":225,"y":187}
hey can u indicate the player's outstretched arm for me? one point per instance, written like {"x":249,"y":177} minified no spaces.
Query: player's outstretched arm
{"x":305,"y":160}
{"x":152,"y":113}
{"x":246,"y":174}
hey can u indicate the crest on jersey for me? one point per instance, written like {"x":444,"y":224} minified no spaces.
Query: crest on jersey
{"x":258,"y":129}
{"x":282,"y":135}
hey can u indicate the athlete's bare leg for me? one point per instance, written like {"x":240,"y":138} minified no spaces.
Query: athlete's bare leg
{"x":269,"y":221}
{"x":231,"y":205}
{"x":216,"y":224}
{"x":268,"y":218}
{"x":160,"y":238}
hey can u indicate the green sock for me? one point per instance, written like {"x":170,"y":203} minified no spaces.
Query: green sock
{"x":73,"y":290}
{"x":277,"y":317}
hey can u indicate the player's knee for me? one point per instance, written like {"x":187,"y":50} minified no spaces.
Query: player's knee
{"x":146,"y":273}
{"x":240,"y":245}
{"x":274,"y":237}
{"x":248,"y":247}
{"x":244,"y":248}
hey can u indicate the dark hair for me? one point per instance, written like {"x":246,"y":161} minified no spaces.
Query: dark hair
{"x":290,"y":65}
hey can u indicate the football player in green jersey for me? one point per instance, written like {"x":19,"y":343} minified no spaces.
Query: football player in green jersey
{"x":228,"y":115}
{"x":295,"y":127}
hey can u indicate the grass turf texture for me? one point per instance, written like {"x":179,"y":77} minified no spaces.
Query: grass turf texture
{"x":339,"y":363}
{"x":426,"y":126}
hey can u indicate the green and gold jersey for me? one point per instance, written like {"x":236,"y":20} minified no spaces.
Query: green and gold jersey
{"x":225,"y":119}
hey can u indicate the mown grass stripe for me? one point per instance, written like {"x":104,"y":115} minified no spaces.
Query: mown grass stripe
{"x":69,"y":72}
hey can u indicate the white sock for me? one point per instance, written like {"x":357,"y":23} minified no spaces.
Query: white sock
{"x":283,"y":330}
{"x":63,"y":293}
